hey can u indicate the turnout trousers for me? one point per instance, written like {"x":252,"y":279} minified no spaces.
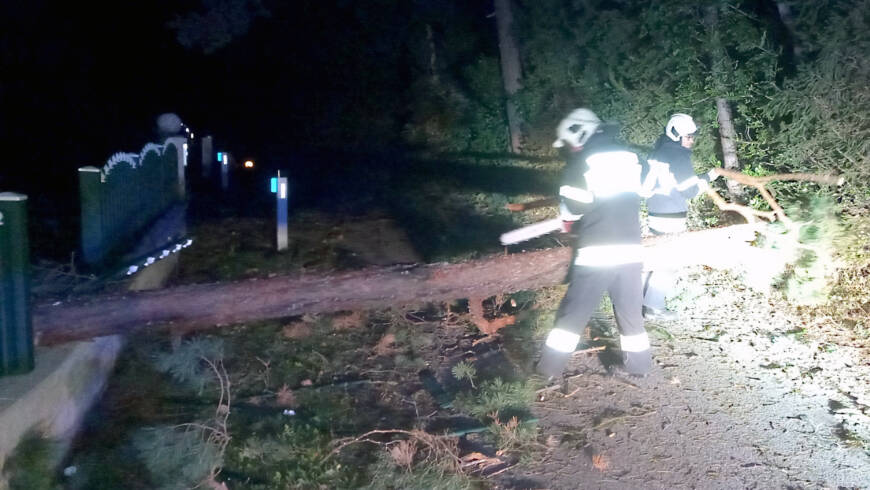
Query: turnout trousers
{"x":658,"y":284}
{"x":588,"y":284}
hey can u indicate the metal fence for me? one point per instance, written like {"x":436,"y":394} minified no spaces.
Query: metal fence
{"x":128,"y":193}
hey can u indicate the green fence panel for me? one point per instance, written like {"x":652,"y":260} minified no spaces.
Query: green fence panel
{"x":16,"y":329}
{"x":124,"y":196}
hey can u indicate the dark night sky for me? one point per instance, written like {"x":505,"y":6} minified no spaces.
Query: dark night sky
{"x":76,"y":87}
{"x":78,"y":83}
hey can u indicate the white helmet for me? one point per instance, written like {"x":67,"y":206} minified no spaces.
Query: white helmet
{"x":680,"y":125}
{"x":576,"y":128}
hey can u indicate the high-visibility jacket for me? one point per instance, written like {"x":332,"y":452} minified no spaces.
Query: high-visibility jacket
{"x":670,"y":165}
{"x":602,"y":182}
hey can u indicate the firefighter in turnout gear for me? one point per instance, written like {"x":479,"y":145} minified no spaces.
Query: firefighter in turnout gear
{"x":600,"y":189}
{"x":674,"y":182}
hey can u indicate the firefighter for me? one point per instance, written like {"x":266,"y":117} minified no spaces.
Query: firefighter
{"x":674,"y":182}
{"x":600,"y":186}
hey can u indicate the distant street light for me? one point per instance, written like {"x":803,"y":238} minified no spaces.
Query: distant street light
{"x":249,"y":164}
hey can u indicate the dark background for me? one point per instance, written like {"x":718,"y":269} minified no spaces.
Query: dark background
{"x":79,"y":83}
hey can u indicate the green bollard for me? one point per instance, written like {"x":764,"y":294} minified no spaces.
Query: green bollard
{"x":16,"y":330}
{"x":91,"y":196}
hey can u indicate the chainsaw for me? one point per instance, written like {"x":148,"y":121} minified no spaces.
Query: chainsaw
{"x":531,"y":231}
{"x":534,"y":230}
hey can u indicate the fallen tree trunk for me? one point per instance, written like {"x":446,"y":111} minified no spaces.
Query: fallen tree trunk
{"x":188,"y":308}
{"x":195,"y":307}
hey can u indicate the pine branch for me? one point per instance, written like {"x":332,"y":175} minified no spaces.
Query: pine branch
{"x":759,"y":183}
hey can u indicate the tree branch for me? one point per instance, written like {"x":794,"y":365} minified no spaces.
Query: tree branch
{"x":753,"y":181}
{"x":748,"y":213}
{"x":759,"y":183}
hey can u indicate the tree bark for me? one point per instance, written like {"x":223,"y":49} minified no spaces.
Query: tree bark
{"x":190,"y":308}
{"x":727,"y":137}
{"x":511,"y":70}
{"x":719,"y":63}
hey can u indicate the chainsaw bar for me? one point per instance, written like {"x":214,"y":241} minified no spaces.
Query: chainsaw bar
{"x":531,"y":231}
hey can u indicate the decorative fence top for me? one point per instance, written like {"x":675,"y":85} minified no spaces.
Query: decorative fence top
{"x":132,"y":159}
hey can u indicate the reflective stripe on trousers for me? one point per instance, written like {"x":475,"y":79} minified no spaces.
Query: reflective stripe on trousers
{"x":634,"y":343}
{"x":562,"y":340}
{"x":623,"y":284}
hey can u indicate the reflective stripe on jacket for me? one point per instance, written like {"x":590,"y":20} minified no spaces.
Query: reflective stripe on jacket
{"x":602,"y":183}
{"x":675,"y":182}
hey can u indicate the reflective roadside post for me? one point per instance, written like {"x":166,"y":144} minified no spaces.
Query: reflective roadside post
{"x":16,"y":329}
{"x":279,"y":187}
{"x":206,"y":147}
{"x":225,"y":169}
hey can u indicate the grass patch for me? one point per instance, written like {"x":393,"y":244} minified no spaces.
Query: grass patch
{"x":496,"y":397}
{"x":387,"y":475}
{"x":243,"y":248}
{"x":535,"y":316}
{"x":513,"y":435}
{"x":29,"y":467}
{"x":465,"y":370}
{"x":290,"y":455}
{"x":297,"y":385}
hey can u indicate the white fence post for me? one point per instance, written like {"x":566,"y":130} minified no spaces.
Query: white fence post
{"x":180,"y":143}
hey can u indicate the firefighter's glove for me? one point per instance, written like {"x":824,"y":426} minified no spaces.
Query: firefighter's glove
{"x":568,"y":218}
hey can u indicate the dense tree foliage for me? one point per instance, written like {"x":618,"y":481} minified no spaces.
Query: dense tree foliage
{"x":817,"y":120}
{"x":427,"y":73}
{"x":635,"y":62}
